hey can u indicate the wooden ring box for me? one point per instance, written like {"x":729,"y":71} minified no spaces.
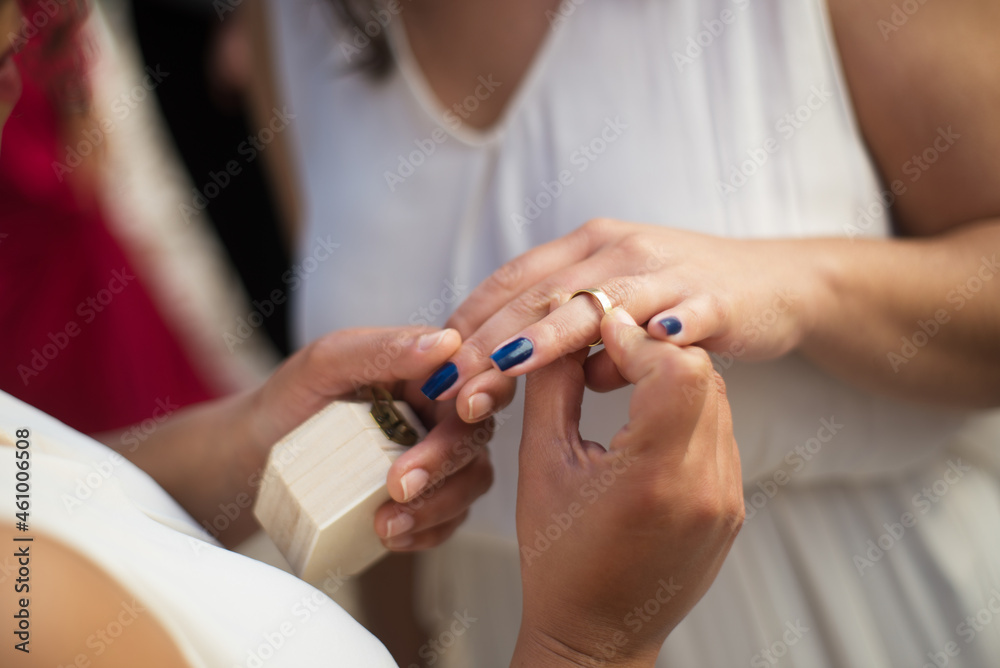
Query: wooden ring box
{"x":324,"y":481}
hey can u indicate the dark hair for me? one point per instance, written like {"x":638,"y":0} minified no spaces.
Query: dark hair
{"x":376,"y":59}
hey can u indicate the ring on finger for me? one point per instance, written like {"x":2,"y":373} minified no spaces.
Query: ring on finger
{"x":603,"y":301}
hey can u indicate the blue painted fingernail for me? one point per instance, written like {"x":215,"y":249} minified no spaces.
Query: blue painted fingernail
{"x":440,"y":381}
{"x":513,"y":353}
{"x":672,"y":325}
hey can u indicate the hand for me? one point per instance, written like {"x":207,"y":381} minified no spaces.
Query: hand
{"x":749,"y":299}
{"x":642,"y":526}
{"x":434,"y":482}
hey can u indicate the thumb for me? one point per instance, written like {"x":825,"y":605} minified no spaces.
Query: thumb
{"x":552,"y":398}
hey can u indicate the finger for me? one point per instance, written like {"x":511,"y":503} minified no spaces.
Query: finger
{"x":552,"y":398}
{"x":526,"y":308}
{"x":448,"y":448}
{"x":601,"y":373}
{"x":694,"y":320}
{"x":515,"y":277}
{"x":339,"y":363}
{"x":576,"y":322}
{"x":436,"y":505}
{"x":484,"y":395}
{"x":425,"y":539}
{"x":670,"y":385}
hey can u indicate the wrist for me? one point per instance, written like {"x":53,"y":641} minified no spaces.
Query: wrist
{"x":815,"y":280}
{"x":539,"y":649}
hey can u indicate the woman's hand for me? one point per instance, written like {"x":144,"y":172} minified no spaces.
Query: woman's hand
{"x":747,"y":298}
{"x":211,"y":456}
{"x":618,"y":545}
{"x":433,"y":483}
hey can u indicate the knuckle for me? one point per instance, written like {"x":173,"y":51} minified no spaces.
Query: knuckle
{"x":461,"y":321}
{"x":710,"y":508}
{"x":622,"y":291}
{"x":323,"y":350}
{"x":636,"y":245}
{"x":571,"y":334}
{"x":532,"y":304}
{"x":476,"y":348}
{"x":716,"y":307}
{"x":694,"y":367}
{"x":507,"y":278}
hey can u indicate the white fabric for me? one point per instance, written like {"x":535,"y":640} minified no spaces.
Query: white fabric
{"x":221,"y":609}
{"x":672,"y":133}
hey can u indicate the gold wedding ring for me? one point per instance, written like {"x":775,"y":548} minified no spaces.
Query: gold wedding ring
{"x":602,"y":299}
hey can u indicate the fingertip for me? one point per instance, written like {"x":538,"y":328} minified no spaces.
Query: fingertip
{"x":618,"y":328}
{"x":444,"y":341}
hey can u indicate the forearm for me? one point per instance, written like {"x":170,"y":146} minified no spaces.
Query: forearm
{"x":914,"y":318}
{"x":200,"y":456}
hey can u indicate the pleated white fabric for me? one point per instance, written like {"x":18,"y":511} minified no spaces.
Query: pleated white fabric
{"x":222,"y":610}
{"x":725,"y":117}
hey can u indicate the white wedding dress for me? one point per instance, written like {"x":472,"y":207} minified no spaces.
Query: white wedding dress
{"x":725,"y":117}
{"x":220,"y":608}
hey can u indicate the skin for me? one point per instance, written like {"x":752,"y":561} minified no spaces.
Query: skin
{"x":852,"y":302}
{"x":675,"y":514}
{"x":10,"y":16}
{"x":933,"y":73}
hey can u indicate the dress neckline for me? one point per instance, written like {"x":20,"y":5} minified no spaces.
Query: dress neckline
{"x":427,"y":99}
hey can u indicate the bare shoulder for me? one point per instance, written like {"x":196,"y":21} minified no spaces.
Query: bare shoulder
{"x":925,"y":78}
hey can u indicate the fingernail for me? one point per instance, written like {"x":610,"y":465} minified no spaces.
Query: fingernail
{"x":413,"y":483}
{"x":513,"y":353}
{"x":671,"y":324}
{"x":401,"y":523}
{"x":428,"y":341}
{"x":399,"y":542}
{"x":440,"y":381}
{"x":479,"y":405}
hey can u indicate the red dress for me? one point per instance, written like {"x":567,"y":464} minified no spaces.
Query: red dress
{"x":80,"y":337}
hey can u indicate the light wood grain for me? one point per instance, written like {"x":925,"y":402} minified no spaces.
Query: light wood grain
{"x":322,"y":485}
